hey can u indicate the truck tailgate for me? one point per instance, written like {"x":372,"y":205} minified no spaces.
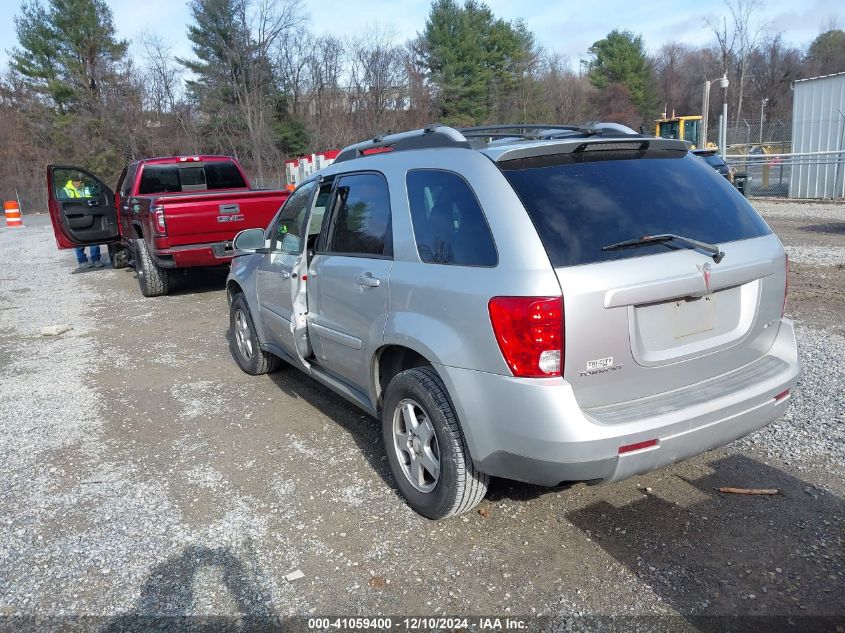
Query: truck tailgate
{"x":217,"y":216}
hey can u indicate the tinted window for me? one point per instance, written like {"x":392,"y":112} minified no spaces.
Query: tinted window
{"x":223,"y":176}
{"x":582,"y":201}
{"x":289,"y":226}
{"x":714,"y":160}
{"x":159,"y":179}
{"x":449,"y":225}
{"x":190,"y":177}
{"x":361,"y":223}
{"x":129,"y":180}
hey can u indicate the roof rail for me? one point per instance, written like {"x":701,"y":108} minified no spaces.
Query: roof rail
{"x":440,"y":136}
{"x":426,"y":138}
{"x":541,"y":132}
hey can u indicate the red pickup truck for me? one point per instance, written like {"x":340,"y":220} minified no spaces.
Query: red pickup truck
{"x":165,"y":213}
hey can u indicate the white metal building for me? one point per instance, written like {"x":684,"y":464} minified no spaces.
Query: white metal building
{"x":818,"y":128}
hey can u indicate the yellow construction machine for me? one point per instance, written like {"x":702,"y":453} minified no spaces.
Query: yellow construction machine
{"x":686,"y":128}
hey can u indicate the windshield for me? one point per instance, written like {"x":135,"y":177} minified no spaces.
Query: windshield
{"x":580,"y":202}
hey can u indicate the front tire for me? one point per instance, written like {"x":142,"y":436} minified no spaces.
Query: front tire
{"x":154,"y":281}
{"x":243,"y":342}
{"x":425,"y":447}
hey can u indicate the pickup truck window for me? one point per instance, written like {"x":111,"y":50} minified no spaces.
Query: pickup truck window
{"x":193,"y":177}
{"x":361,"y":221}
{"x":128,"y":181}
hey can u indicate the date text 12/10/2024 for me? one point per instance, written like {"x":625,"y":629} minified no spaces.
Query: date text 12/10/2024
{"x":416,"y":624}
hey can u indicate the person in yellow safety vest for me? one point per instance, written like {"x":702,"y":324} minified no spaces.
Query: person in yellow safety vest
{"x":71,"y":190}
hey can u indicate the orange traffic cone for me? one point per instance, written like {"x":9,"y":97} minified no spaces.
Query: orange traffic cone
{"x":13,"y":214}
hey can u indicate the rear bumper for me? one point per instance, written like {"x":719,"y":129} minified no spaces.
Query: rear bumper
{"x":533,"y":430}
{"x":192,"y":255}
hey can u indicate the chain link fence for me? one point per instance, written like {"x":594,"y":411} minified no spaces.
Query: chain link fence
{"x":764,"y":154}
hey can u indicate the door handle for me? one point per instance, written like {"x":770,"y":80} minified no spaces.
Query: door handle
{"x":368,"y":281}
{"x":285,"y":274}
{"x":93,"y":202}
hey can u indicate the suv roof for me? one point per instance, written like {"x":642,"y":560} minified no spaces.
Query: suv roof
{"x":507,"y":142}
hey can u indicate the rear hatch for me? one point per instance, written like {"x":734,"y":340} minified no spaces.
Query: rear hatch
{"x":652,"y":318}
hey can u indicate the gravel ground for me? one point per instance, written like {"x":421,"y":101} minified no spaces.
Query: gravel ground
{"x":145,"y":475}
{"x":790,"y":210}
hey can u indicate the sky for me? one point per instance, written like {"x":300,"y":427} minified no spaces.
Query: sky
{"x":563,"y":26}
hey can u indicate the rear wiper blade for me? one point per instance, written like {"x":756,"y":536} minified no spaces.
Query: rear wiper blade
{"x":646,"y":240}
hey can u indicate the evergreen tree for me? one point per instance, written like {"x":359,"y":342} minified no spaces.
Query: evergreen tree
{"x":67,"y":49}
{"x":621,"y":59}
{"x":826,"y":54}
{"x":470,"y":57}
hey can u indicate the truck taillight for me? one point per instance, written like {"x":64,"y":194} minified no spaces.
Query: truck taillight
{"x":785,"y":288}
{"x":529,"y":331}
{"x":159,"y":224}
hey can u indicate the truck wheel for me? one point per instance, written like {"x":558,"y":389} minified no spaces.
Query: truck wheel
{"x":154,"y":281}
{"x":118,"y":256}
{"x":243,"y":342}
{"x":425,"y":447}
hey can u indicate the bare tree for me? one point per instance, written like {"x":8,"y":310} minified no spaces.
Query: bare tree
{"x":737,"y":36}
{"x":378,"y":78}
{"x":564,"y":94}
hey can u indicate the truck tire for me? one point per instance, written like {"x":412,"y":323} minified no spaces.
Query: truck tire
{"x":118,"y":256}
{"x":243,"y":341}
{"x":422,"y":434}
{"x":154,"y":281}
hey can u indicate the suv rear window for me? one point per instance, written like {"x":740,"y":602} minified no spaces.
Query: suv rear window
{"x":582,"y":201}
{"x":190,"y":177}
{"x":714,"y":160}
{"x":449,"y":225}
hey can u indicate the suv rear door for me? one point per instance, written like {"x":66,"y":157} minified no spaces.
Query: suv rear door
{"x":348,"y":277}
{"x":81,"y":208}
{"x":650,"y":319}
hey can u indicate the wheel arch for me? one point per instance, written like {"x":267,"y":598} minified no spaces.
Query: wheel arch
{"x":391,"y":359}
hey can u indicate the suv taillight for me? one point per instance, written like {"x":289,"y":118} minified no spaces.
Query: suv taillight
{"x":785,"y":288}
{"x":529,"y":331}
{"x":159,"y":224}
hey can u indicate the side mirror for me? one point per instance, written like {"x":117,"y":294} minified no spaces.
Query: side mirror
{"x":249,"y":241}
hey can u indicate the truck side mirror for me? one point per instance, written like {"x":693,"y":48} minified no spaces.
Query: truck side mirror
{"x":249,"y":241}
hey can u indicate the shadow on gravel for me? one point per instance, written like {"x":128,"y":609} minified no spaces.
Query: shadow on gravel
{"x":715,"y":554}
{"x":189,"y":281}
{"x":168,"y":596}
{"x":364,"y":429}
{"x":837,"y":228}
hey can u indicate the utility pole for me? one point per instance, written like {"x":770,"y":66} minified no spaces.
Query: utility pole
{"x":723,"y":132}
{"x":762,"y":114}
{"x":705,"y":107}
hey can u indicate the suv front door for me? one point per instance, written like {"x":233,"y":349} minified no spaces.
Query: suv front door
{"x":348,"y":278}
{"x":81,"y":208}
{"x":279,"y":275}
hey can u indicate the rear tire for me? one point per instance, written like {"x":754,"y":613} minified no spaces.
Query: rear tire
{"x":243,"y":341}
{"x":118,"y":256}
{"x":422,"y":433}
{"x":154,"y":281}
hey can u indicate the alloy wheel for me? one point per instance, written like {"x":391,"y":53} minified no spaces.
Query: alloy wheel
{"x":243,"y":336}
{"x":416,"y":445}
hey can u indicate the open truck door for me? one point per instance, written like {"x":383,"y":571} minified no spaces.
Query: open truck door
{"x":81,"y":208}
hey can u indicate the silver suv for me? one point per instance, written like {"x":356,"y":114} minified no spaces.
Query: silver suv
{"x":541,"y":304}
